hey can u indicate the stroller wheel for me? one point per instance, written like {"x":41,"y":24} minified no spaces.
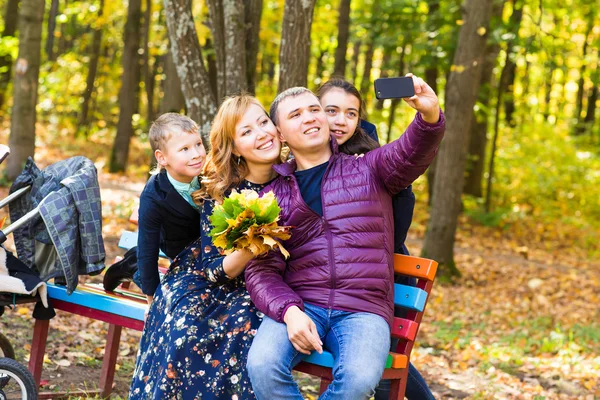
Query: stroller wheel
{"x":17,"y":381}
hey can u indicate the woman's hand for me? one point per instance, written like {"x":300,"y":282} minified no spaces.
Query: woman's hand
{"x":424,"y":101}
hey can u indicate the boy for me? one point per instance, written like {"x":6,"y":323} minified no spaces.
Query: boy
{"x":169,"y":219}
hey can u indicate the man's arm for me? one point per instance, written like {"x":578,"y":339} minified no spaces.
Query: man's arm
{"x":271,"y":295}
{"x":399,"y":163}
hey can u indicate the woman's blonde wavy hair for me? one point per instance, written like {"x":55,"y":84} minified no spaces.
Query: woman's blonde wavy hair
{"x":222,"y":169}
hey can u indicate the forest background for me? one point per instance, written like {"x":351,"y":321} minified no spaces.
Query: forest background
{"x":510,"y":209}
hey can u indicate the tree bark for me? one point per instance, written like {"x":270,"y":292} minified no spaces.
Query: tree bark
{"x":92,"y":71}
{"x":294,"y":53}
{"x":172,"y":100}
{"x":581,"y":82}
{"x":129,"y":87}
{"x":211,"y":64}
{"x":354,"y":66}
{"x":385,"y":69}
{"x":590,"y":115}
{"x":339,"y":68}
{"x":51,"y":28}
{"x":217,"y":28}
{"x":365,"y":82}
{"x":479,"y":124}
{"x":235,"y":46}
{"x":148,"y":71}
{"x":11,"y":18}
{"x":462,"y":91}
{"x":27,"y":69}
{"x":511,"y":66}
{"x":187,"y":56}
{"x":253,"y":11}
{"x":320,"y":68}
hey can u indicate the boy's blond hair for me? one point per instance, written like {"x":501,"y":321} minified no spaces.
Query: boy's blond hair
{"x":164,"y":126}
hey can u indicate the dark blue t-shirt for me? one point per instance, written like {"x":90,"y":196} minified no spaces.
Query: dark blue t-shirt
{"x":309,"y":182}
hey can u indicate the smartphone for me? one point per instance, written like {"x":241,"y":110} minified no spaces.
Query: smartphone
{"x":394,"y":88}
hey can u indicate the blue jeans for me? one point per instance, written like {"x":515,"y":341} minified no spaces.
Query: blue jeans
{"x":359,"y":343}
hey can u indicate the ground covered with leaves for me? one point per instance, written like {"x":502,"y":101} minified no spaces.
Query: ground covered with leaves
{"x":522,"y":322}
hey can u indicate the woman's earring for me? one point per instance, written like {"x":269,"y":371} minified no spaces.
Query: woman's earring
{"x":239,"y":159}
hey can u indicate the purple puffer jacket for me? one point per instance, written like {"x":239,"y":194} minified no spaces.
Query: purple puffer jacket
{"x":343,"y":260}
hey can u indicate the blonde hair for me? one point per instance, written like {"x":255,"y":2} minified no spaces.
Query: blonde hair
{"x":162,"y":129}
{"x":222,"y":169}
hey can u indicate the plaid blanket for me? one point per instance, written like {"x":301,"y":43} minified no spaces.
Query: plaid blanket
{"x":70,"y":219}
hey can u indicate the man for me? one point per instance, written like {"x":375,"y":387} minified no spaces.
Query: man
{"x":336,"y":289}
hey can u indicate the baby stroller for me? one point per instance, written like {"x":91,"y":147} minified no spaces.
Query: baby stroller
{"x":56,"y":225}
{"x":16,"y":382}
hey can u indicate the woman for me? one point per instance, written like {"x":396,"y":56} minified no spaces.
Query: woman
{"x":201,"y":322}
{"x":343,"y":106}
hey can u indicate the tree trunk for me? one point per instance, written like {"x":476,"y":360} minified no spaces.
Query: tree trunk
{"x":92,"y":71}
{"x":320,"y":68}
{"x":590,"y":115}
{"x":229,"y":35}
{"x":215,"y":10}
{"x":10,"y":28}
{"x":187,"y":56}
{"x":431,"y":72}
{"x":462,"y":91}
{"x":172,"y":100}
{"x":253,"y":11}
{"x":580,"y":90}
{"x":51,"y":28}
{"x":339,"y":68}
{"x":385,"y":69}
{"x":27,"y":70}
{"x":148,"y":72}
{"x":511,"y":66}
{"x":548,"y":83}
{"x":235,"y":45}
{"x":294,"y":53}
{"x":129,"y":87}
{"x":354,"y":66}
{"x":211,"y":63}
{"x":515,"y":21}
{"x":479,"y":124}
{"x":365,"y":82}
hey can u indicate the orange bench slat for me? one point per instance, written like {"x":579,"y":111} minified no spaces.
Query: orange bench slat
{"x":421,"y":268}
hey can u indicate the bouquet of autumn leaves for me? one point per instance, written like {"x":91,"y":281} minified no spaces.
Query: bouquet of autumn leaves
{"x":247,"y":221}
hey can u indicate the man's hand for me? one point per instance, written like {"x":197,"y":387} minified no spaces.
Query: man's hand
{"x":424,"y":101}
{"x":302,"y":331}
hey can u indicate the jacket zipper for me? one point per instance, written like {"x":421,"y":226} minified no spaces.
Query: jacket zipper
{"x":325,"y":228}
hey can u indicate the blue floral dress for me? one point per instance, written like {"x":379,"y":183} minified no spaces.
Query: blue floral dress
{"x":199,"y":328}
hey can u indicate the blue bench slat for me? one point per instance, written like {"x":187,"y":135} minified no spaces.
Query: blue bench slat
{"x":96,"y":301}
{"x":325,"y":359}
{"x":409,"y":297}
{"x":129,"y":240}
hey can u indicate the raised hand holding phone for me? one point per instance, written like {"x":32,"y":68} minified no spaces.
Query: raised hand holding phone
{"x":422,"y":97}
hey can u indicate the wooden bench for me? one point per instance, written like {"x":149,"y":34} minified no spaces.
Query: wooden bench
{"x":124,"y":308}
{"x":120,"y":309}
{"x":414,"y":300}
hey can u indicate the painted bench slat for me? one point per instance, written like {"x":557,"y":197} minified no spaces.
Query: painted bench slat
{"x":326,"y":360}
{"x":409,"y":297}
{"x":92,"y":298}
{"x":404,"y":329}
{"x":417,"y":267}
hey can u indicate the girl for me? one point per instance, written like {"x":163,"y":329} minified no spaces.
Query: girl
{"x":344,"y":108}
{"x":201,"y":322}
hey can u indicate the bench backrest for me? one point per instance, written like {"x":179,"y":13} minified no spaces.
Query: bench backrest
{"x":412,"y":299}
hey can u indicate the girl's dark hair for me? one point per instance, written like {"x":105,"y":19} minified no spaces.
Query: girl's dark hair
{"x":360,"y":142}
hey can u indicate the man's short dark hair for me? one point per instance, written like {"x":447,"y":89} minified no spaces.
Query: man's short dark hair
{"x":291,"y":92}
